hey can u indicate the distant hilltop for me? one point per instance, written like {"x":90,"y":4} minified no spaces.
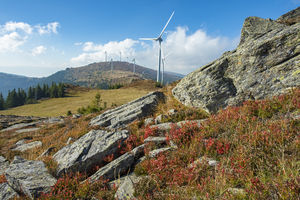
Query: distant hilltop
{"x":95,"y":75}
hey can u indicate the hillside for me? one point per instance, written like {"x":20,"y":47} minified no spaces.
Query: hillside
{"x":156,"y":148}
{"x":100,"y":74}
{"x":95,"y":75}
{"x":11,"y":81}
{"x":78,"y":97}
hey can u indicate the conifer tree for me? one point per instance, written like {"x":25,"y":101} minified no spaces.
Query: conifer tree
{"x":1,"y":102}
{"x":12,"y":99}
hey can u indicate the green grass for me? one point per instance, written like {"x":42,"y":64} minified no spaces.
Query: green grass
{"x":77,"y":99}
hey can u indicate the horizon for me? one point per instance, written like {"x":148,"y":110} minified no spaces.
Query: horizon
{"x":38,"y":38}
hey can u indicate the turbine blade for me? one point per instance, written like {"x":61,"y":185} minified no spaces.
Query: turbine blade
{"x":166,"y":24}
{"x":147,"y":38}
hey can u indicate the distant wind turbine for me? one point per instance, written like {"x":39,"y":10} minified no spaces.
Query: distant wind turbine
{"x":133,"y":65}
{"x":163,"y":65}
{"x":159,"y":39}
{"x":111,"y":65}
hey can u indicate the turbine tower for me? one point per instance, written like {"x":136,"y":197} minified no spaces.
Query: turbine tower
{"x":111,"y":65}
{"x":133,"y":65}
{"x":159,"y":39}
{"x":163,"y":60}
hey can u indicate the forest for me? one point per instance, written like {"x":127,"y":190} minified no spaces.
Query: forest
{"x":19,"y":97}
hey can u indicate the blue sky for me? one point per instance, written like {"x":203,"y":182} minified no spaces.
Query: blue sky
{"x":40,"y":37}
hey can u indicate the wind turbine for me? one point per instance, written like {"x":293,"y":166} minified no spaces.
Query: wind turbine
{"x":159,"y":39}
{"x":111,"y":65}
{"x":133,"y":65}
{"x":163,"y":60}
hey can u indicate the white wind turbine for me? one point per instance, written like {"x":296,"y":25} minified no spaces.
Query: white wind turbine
{"x":159,"y":39}
{"x":163,"y":65}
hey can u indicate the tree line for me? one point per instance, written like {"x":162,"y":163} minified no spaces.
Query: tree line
{"x":20,"y":97}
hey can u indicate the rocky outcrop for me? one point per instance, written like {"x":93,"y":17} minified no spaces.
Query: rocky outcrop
{"x":3,"y":165}
{"x":290,"y":18}
{"x":20,"y":125}
{"x":22,"y":146}
{"x":6,"y":192}
{"x":29,"y":177}
{"x":88,"y":151}
{"x":126,"y":189}
{"x":266,"y":63}
{"x":119,"y":166}
{"x":10,"y":120}
{"x":167,"y":126}
{"x":127,"y":113}
{"x":26,"y":130}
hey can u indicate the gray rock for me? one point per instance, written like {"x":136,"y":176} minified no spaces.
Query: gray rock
{"x":167,"y":126}
{"x":121,"y":116}
{"x":22,"y":146}
{"x":6,"y":192}
{"x":237,"y":191}
{"x":54,"y":120}
{"x":29,"y":177}
{"x":155,"y":152}
{"x":20,"y":125}
{"x":159,"y":118}
{"x":211,"y":162}
{"x":88,"y":151}
{"x":126,"y":188}
{"x":149,"y":121}
{"x":158,"y":141}
{"x":27,"y":130}
{"x":119,"y":166}
{"x":3,"y":165}
{"x":76,"y":116}
{"x":265,"y":64}
{"x":172,"y":112}
{"x":163,"y":126}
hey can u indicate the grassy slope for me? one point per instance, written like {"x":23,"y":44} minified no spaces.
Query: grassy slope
{"x":256,"y":146}
{"x":77,"y":99}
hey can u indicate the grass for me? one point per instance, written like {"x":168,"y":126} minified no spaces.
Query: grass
{"x":76,"y":99}
{"x":256,"y":146}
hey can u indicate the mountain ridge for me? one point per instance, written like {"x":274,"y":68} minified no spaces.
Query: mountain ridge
{"x":95,"y":75}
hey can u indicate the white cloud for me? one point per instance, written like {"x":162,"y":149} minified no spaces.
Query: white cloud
{"x":14,"y":34}
{"x":93,"y":52}
{"x":49,"y":28}
{"x":13,"y":26}
{"x":38,"y":50}
{"x":10,"y":42}
{"x":187,"y":52}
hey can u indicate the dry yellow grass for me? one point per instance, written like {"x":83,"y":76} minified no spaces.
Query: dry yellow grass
{"x":60,"y":106}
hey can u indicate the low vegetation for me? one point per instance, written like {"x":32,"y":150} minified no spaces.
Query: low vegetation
{"x":256,"y":147}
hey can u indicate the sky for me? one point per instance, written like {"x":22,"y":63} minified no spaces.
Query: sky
{"x":40,"y":37}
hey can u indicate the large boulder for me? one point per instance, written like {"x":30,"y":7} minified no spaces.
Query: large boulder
{"x":266,"y":63}
{"x":88,"y":151}
{"x":127,"y":113}
{"x":29,"y":177}
{"x":6,"y":192}
{"x":119,"y":166}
